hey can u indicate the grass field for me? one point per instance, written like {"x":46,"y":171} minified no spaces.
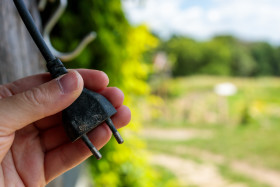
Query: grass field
{"x":234,"y":138}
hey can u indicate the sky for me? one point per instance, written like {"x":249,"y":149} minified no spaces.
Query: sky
{"x":203,"y":19}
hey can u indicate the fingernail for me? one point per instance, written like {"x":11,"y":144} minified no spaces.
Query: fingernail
{"x":68,"y":82}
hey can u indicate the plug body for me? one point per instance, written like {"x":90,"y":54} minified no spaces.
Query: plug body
{"x":87,"y":112}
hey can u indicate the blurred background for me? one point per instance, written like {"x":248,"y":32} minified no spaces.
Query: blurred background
{"x":201,"y":79}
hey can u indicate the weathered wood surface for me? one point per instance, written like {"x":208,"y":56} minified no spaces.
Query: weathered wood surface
{"x":19,"y":56}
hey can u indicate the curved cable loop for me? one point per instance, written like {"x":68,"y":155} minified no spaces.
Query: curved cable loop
{"x":64,"y":56}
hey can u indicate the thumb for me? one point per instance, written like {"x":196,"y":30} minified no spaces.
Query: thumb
{"x":47,"y":99}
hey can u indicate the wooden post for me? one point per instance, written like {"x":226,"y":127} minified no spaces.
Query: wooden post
{"x":19,"y":57}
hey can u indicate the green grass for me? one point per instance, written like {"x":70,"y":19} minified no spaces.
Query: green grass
{"x":248,"y":132}
{"x":256,"y":145}
{"x":166,"y":177}
{"x":233,"y":176}
{"x":225,"y":170}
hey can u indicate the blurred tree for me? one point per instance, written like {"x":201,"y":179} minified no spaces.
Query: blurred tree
{"x":266,"y":58}
{"x":240,"y":61}
{"x":216,"y":57}
{"x":222,"y":55}
{"x":186,"y":54}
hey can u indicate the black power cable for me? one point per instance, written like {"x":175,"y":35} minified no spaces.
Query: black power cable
{"x":33,"y":30}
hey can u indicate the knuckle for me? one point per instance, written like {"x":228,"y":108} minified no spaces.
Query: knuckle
{"x":34,"y":96}
{"x":5,"y":91}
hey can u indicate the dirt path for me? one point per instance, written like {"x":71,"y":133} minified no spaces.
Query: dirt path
{"x":205,"y":174}
{"x":264,"y":175}
{"x":192,"y":173}
{"x":260,"y":174}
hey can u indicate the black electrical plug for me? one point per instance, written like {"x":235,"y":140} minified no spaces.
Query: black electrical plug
{"x":89,"y":110}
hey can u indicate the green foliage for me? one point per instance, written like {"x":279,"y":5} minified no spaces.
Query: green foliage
{"x":266,"y":58}
{"x":222,"y":55}
{"x":187,"y":54}
{"x":118,"y":50}
{"x":216,"y":58}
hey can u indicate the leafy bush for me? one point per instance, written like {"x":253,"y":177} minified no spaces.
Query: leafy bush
{"x":118,"y":50}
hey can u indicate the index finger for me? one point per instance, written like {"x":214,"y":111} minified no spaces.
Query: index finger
{"x":93,"y":79}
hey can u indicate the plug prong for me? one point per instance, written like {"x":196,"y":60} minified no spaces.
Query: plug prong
{"x":115,"y":132}
{"x":91,"y":147}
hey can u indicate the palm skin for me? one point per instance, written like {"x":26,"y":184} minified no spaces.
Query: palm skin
{"x":34,"y":148}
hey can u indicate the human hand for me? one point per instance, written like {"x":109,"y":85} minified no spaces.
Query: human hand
{"x":34,"y":149}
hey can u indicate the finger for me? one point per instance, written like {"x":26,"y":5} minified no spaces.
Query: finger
{"x":49,"y":122}
{"x":69,"y":155}
{"x":24,"y":108}
{"x":24,"y":84}
{"x":94,"y":80}
{"x":122,"y":117}
{"x":114,"y":95}
{"x":56,"y":136}
{"x":53,"y":137}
